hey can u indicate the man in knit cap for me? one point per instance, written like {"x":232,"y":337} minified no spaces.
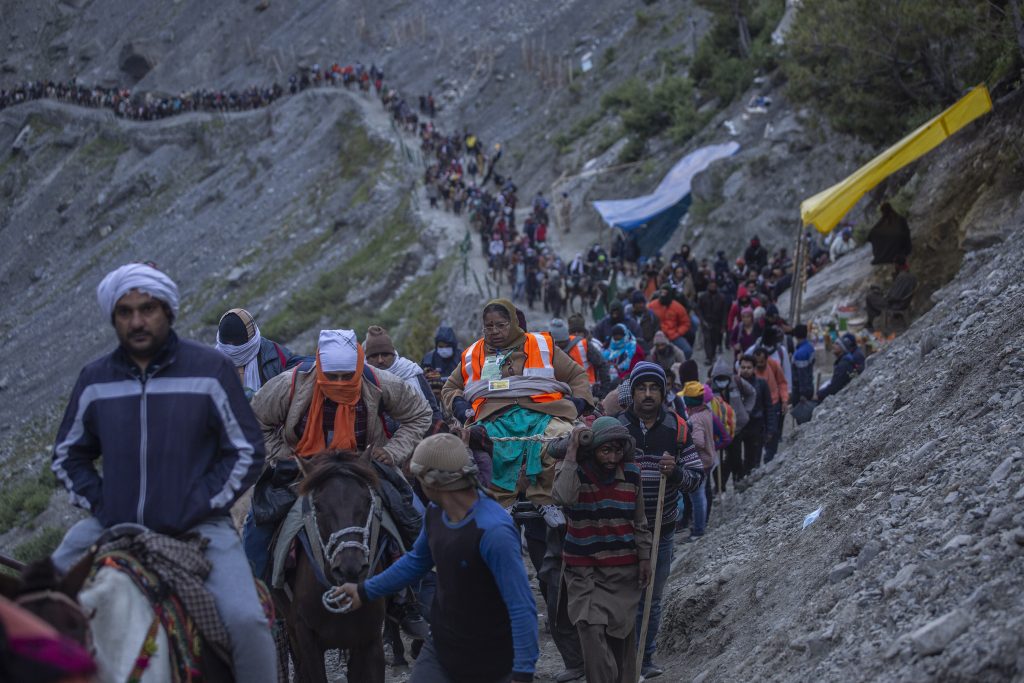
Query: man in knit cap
{"x":257,"y":359}
{"x":663,"y":449}
{"x":484,"y":618}
{"x":179,"y":444}
{"x":601,"y":489}
{"x":381,"y":354}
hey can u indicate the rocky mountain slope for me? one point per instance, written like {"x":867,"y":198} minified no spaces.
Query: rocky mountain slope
{"x":910,"y":571}
{"x":309,"y":212}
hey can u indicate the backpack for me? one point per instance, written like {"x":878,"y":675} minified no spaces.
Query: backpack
{"x":725,"y":419}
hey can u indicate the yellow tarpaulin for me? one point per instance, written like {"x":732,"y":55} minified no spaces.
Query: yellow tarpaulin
{"x":825,"y":209}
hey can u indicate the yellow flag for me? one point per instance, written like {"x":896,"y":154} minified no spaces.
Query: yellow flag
{"x":825,"y":209}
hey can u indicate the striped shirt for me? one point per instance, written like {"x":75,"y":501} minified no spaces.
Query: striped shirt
{"x":601,"y":523}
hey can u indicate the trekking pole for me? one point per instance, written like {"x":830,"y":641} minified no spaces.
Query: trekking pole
{"x":649,"y":592}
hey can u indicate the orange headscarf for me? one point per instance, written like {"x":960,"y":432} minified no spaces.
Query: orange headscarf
{"x":346,"y":394}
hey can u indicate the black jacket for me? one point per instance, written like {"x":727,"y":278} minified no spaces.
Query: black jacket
{"x":763,"y":402}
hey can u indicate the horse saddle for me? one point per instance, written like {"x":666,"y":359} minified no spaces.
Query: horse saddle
{"x":170,"y":572}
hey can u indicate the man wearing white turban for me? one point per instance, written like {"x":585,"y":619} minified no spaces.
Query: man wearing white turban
{"x":179,"y":444}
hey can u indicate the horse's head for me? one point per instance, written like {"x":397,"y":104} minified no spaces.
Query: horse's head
{"x":54,"y":599}
{"x":342,"y":486}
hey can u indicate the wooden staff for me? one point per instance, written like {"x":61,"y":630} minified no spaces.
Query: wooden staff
{"x":649,"y":593}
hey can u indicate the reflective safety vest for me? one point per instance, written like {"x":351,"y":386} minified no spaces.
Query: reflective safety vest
{"x":539,"y":349}
{"x":578,"y":352}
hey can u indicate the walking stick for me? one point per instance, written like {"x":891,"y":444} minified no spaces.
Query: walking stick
{"x":649,"y":593}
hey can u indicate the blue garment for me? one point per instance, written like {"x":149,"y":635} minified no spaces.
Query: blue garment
{"x":497,"y":543}
{"x":620,"y":352}
{"x":803,"y":372}
{"x":508,"y":456}
{"x":847,"y":366}
{"x":179,"y":442}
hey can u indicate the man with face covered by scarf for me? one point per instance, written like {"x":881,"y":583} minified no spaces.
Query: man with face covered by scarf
{"x":256,"y":358}
{"x":484,"y":615}
{"x":335,"y":402}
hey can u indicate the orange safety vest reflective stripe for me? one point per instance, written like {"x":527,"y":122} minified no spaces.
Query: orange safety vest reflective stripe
{"x":540,"y":351}
{"x":578,"y":352}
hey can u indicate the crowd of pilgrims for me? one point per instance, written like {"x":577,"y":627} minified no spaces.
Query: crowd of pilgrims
{"x":124,"y":102}
{"x":633,"y":364}
{"x":520,"y":397}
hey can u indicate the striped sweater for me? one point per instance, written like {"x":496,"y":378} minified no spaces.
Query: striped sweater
{"x":606,"y":523}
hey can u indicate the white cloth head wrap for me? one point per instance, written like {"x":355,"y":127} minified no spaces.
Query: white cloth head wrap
{"x":245,"y":355}
{"x":138,"y":276}
{"x":338,"y":350}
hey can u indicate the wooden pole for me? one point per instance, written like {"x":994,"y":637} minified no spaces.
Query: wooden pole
{"x":12,"y":563}
{"x":649,"y":593}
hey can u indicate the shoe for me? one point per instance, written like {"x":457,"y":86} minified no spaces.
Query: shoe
{"x":651,"y":670}
{"x":693,"y":537}
{"x":415,"y":626}
{"x":570,"y":675}
{"x":552,"y":515}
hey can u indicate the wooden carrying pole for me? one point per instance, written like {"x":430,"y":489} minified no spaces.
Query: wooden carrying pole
{"x":799,"y":276}
{"x":649,"y":593}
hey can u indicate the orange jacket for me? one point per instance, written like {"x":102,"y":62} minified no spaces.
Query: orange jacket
{"x":578,"y":352}
{"x":539,"y":350}
{"x":675,"y":321}
{"x":773,"y":374}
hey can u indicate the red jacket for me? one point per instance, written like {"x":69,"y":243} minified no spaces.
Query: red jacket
{"x":675,"y":321}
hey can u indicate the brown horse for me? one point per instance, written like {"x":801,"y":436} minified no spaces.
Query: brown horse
{"x":341,"y":489}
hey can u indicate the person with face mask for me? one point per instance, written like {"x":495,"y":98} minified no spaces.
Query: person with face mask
{"x":623,"y":353}
{"x":675,"y":319}
{"x":738,"y":393}
{"x":257,"y":359}
{"x":616,"y":316}
{"x":444,"y":357}
{"x":600,"y":486}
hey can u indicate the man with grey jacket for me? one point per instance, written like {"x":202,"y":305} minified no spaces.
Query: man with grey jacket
{"x":738,"y":393}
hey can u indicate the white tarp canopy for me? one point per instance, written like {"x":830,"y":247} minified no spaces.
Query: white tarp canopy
{"x":630,"y":214}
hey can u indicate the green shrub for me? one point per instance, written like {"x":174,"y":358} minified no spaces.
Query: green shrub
{"x":878,"y":69}
{"x":25,"y":499}
{"x":40,"y":545}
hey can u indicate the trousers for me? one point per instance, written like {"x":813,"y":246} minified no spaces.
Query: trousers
{"x":428,"y":668}
{"x":253,"y":653}
{"x":607,"y":659}
{"x":537,"y":492}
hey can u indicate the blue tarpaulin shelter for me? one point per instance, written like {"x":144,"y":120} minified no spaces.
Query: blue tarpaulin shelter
{"x":655,"y":216}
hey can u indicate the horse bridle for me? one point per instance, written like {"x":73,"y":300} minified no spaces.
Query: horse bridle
{"x":63,"y":598}
{"x":338,"y":603}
